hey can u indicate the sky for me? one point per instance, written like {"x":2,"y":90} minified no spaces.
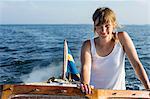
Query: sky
{"x":71,"y":11}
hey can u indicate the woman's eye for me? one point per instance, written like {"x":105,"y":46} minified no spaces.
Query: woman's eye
{"x":107,"y":26}
{"x":98,"y":27}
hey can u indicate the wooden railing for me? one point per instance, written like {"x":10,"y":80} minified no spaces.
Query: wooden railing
{"x":62,"y":92}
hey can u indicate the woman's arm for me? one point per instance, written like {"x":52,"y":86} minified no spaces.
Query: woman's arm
{"x":130,"y":50}
{"x":85,"y":62}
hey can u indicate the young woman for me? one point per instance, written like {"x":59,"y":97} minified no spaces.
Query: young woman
{"x":103,"y":58}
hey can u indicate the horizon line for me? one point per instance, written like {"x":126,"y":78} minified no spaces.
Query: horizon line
{"x":60,"y":24}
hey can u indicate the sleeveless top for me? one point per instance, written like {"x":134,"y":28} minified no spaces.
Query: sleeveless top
{"x":108,"y":72}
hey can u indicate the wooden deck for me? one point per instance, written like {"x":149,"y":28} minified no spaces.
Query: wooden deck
{"x":62,"y":92}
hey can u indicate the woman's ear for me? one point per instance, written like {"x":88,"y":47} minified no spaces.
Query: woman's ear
{"x":114,"y":25}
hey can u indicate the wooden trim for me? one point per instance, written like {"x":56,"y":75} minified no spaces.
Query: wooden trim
{"x":11,"y":90}
{"x":7,"y":91}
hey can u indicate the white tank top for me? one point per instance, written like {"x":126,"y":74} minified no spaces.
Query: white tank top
{"x":108,"y":72}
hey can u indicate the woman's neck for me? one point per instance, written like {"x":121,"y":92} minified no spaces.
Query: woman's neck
{"x":105,"y":41}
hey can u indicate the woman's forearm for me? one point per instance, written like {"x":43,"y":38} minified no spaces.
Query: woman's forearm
{"x":141,"y":73}
{"x":85,"y":76}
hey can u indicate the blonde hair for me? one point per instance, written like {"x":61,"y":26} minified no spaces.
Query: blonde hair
{"x":105,"y":15}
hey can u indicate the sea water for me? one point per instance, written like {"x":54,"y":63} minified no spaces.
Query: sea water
{"x":34,"y":53}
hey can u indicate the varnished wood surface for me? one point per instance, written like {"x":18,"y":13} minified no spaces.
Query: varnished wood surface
{"x":1,"y":88}
{"x":6,"y":91}
{"x":12,"y":90}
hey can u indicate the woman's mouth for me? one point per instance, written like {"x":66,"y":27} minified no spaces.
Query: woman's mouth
{"x":103,"y":33}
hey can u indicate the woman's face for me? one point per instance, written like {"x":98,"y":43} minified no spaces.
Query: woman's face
{"x":104,"y":30}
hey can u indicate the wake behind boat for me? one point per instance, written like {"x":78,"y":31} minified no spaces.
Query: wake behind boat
{"x":65,"y":87}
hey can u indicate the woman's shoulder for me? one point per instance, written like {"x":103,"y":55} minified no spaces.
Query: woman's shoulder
{"x":124,"y":38}
{"x":86,"y":43}
{"x":86,"y":46}
{"x":121,"y":35}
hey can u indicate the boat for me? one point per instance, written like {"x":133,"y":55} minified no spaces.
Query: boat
{"x":64,"y":88}
{"x":64,"y":91}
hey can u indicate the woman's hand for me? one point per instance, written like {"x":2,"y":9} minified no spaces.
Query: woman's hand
{"x":86,"y":88}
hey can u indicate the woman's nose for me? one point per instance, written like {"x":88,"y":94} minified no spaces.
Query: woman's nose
{"x":103,"y":29}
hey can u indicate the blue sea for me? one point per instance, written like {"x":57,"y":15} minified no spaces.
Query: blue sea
{"x":34,"y":53}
